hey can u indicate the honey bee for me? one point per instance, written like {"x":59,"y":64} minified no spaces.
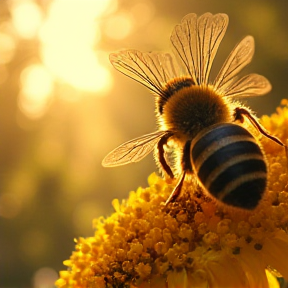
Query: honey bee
{"x":202,"y":123}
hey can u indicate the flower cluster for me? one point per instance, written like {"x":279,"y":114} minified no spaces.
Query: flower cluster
{"x":193,"y":242}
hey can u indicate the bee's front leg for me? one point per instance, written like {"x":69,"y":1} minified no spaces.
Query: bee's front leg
{"x":161,"y":156}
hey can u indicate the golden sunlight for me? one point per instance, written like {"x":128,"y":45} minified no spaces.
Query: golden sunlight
{"x":10,"y":205}
{"x":143,"y":12}
{"x":36,"y":90}
{"x":68,"y":44}
{"x":7,"y":47}
{"x":119,"y":26}
{"x":26,"y":18}
{"x":44,"y":277}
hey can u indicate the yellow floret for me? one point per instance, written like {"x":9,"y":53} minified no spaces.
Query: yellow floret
{"x":193,"y":242}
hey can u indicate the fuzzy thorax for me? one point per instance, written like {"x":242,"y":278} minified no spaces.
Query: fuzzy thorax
{"x":192,"y":109}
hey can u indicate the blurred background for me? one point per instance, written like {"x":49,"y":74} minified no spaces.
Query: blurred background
{"x":63,"y":108}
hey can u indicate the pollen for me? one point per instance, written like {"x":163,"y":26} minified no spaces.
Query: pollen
{"x":193,"y":242}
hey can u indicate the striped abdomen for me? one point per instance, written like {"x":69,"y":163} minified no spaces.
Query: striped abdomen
{"x":230,"y":165}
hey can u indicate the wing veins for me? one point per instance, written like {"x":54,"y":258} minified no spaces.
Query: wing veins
{"x":208,"y":56}
{"x":146,"y":79}
{"x":179,"y":54}
{"x":198,"y":55}
{"x":225,"y":76}
{"x":190,"y":50}
{"x":155,"y":66}
{"x":203,"y":54}
{"x":133,"y":150}
{"x":147,"y":76}
{"x":240,"y":56}
{"x":250,"y":85}
{"x":163,"y":74}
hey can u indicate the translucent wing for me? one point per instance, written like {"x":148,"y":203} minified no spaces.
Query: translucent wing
{"x":196,"y":41}
{"x":133,"y":150}
{"x":240,"y":56}
{"x":250,"y":85}
{"x":153,"y":70}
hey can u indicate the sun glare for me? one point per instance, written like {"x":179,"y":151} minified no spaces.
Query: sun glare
{"x":69,"y":35}
{"x":68,"y":38}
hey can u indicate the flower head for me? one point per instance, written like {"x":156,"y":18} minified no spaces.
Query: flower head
{"x":193,"y":242}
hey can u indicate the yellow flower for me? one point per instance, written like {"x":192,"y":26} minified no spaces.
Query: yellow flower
{"x":192,"y":242}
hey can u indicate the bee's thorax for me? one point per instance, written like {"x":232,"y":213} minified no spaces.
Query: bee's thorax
{"x":170,"y":89}
{"x":192,"y":109}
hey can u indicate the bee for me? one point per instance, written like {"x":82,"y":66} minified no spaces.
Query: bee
{"x":202,"y":123}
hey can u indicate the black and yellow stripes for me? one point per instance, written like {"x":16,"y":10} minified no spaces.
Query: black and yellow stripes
{"x":230,"y":165}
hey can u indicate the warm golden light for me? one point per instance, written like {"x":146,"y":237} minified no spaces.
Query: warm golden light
{"x":83,"y":211}
{"x":20,"y":189}
{"x":82,"y":71}
{"x":26,"y":18}
{"x":68,"y":46}
{"x":7,"y":47}
{"x":34,"y":243}
{"x":143,"y":12}
{"x":119,"y":26}
{"x":10,"y":206}
{"x":44,"y":278}
{"x":3,"y":73}
{"x":36,"y":90}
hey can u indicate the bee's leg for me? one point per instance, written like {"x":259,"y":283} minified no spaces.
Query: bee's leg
{"x":240,"y":112}
{"x":161,"y":157}
{"x":177,"y":190}
{"x":186,"y":167}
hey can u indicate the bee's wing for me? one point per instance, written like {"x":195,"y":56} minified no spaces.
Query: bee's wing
{"x":153,"y":70}
{"x":239,"y":57}
{"x":250,"y":85}
{"x":196,"y":41}
{"x":133,"y":150}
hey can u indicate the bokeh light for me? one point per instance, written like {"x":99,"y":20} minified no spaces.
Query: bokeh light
{"x":64,"y":107}
{"x":26,"y":17}
{"x":36,"y":90}
{"x":7,"y":47}
{"x":68,"y":46}
{"x":44,"y":278}
{"x":119,"y":26}
{"x":142,"y":12}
